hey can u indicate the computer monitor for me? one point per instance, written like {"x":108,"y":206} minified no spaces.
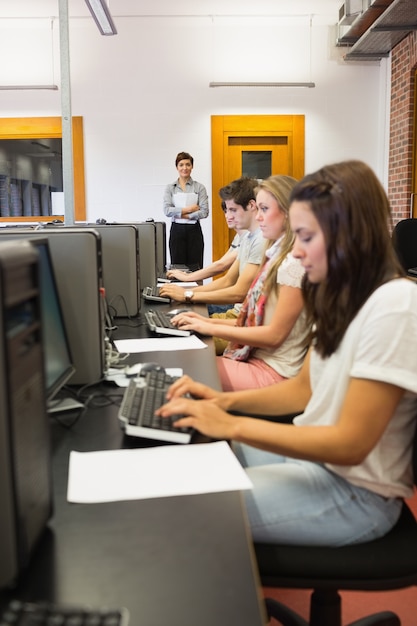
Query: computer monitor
{"x":58,"y":361}
{"x":25,"y":446}
{"x":77,"y":261}
{"x":120,"y":261}
{"x":147,"y":252}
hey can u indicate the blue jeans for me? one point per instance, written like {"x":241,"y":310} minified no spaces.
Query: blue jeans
{"x":303,"y":503}
{"x":218,"y":308}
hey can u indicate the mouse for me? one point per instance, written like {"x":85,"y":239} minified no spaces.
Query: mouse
{"x":140,"y":369}
{"x":178,"y":311}
{"x":101,"y":220}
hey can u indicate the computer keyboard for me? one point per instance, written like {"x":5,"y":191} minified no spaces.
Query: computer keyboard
{"x":160,"y":322}
{"x":141,"y":398}
{"x":152,"y":294}
{"x":45,"y":614}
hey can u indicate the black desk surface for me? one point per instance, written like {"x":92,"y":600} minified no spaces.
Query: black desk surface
{"x":200,"y":364}
{"x":177,"y":561}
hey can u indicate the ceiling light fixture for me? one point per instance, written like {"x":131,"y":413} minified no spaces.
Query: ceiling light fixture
{"x":20,"y":87}
{"x":266,"y":84}
{"x":101,"y":16}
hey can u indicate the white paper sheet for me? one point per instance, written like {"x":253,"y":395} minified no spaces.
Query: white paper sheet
{"x":159,"y":344}
{"x":182,"y":200}
{"x":115,"y":475}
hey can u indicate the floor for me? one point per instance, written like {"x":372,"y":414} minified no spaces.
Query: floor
{"x":356,"y":605}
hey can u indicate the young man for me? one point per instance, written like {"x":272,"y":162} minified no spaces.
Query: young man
{"x":239,"y":201}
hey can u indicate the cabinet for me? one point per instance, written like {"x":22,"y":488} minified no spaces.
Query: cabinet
{"x":23,"y":198}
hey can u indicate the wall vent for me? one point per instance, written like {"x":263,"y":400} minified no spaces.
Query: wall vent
{"x":349,"y":11}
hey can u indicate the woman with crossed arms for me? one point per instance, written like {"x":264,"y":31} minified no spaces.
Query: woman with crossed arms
{"x":268,"y":341}
{"x":338,"y":475}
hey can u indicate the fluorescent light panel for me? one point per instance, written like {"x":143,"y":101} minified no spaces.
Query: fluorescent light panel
{"x":21,"y":87}
{"x":101,"y":16}
{"x":266,"y":84}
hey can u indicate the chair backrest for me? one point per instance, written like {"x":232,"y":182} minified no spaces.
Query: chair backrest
{"x":404,"y":238}
{"x":414,"y":458}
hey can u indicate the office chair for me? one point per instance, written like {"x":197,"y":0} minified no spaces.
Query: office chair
{"x":385,"y":564}
{"x":404,"y":239}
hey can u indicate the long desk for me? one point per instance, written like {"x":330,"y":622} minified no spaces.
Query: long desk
{"x":200,"y":364}
{"x":177,"y":561}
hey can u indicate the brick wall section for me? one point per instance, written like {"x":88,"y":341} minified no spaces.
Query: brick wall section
{"x":404,"y":64}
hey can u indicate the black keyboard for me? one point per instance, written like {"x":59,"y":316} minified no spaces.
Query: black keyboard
{"x":142,"y":397}
{"x":152,"y":294}
{"x":44,"y":614}
{"x":160,"y":322}
{"x":164,"y":276}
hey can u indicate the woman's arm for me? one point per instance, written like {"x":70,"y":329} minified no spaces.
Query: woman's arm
{"x":289,"y":396}
{"x":200,"y":210}
{"x":169,"y":209}
{"x":347,"y":442}
{"x":272,"y":335}
{"x":202,"y":324}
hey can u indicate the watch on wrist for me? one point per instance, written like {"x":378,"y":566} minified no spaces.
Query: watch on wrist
{"x":188,"y":294}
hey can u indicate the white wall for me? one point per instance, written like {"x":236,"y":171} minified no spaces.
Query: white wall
{"x":144,"y":94}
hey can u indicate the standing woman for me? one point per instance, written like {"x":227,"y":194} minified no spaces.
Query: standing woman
{"x":186,"y":243}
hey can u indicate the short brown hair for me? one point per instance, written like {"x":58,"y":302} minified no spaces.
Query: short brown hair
{"x":241,"y":191}
{"x":181,"y":156}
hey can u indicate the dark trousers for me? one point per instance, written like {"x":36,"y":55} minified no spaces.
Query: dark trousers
{"x":186,"y":244}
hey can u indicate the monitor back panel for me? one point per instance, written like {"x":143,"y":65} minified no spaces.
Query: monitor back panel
{"x":76,"y":256}
{"x":161,"y":248}
{"x":147,"y":256}
{"x":120,"y":250}
{"x":147,"y":253}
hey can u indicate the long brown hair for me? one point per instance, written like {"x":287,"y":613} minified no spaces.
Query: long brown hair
{"x":353,"y":211}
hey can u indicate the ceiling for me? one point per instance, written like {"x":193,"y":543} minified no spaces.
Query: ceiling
{"x":377,"y":29}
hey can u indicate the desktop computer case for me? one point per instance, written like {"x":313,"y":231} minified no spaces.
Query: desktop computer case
{"x":25,"y":459}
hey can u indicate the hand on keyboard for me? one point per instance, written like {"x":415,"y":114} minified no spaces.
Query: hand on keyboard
{"x":141,"y":399}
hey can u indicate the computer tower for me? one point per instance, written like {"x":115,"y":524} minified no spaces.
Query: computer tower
{"x":25,"y":459}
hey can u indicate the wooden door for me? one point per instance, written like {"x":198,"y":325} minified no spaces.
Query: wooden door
{"x":413,"y":199}
{"x":251,"y":145}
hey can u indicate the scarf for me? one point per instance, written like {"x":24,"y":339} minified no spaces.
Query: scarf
{"x":251,"y":314}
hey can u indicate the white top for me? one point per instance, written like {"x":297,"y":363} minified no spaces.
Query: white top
{"x":380,"y":344}
{"x":288,"y":358}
